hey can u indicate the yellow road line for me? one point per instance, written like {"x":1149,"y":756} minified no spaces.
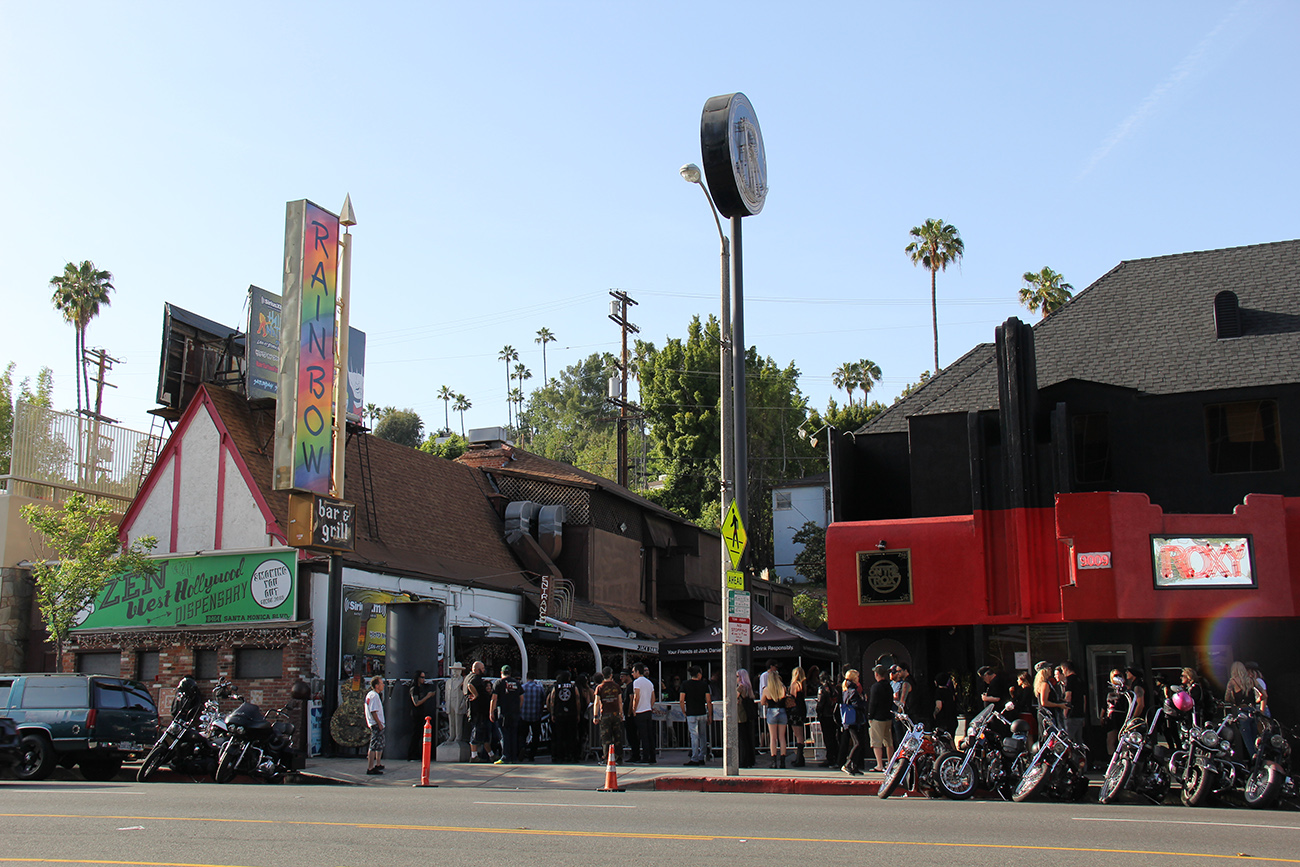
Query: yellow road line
{"x":543,"y":832}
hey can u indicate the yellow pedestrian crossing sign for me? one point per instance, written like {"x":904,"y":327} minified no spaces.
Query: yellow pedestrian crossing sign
{"x":733,"y":534}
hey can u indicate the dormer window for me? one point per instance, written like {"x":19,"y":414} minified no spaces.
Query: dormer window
{"x":1227,"y":316}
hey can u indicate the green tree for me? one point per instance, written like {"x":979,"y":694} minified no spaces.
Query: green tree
{"x":372,"y":413}
{"x":446,"y":395}
{"x":810,"y":562}
{"x":401,"y":426}
{"x":1044,"y":290}
{"x":810,"y":608}
{"x":570,"y":420}
{"x":78,"y":293}
{"x":461,"y":404}
{"x":679,"y":397}
{"x":846,"y":377}
{"x":508,"y":354}
{"x":913,"y":386}
{"x":846,"y":418}
{"x":83,"y":537}
{"x":7,"y":417}
{"x":451,"y":447}
{"x":868,"y":374}
{"x":935,"y":245}
{"x":544,"y":336}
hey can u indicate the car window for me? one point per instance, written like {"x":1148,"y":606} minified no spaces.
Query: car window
{"x":5,"y":687}
{"x":56,"y":692}
{"x":117,"y":695}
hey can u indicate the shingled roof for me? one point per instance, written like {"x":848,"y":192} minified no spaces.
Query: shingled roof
{"x":1148,"y":325}
{"x":433,"y":515}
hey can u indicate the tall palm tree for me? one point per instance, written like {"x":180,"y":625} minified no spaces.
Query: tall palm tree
{"x":846,"y":377}
{"x":868,"y":374}
{"x":372,"y":412}
{"x":544,"y":336}
{"x":462,"y":403}
{"x":446,"y":395}
{"x":508,"y":354}
{"x":935,"y":244}
{"x":521,"y":373}
{"x":1044,"y":289}
{"x":78,"y":293}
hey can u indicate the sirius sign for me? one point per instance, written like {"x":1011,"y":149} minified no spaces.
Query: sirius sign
{"x":731,"y":145}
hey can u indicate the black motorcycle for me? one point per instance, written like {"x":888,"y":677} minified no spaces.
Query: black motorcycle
{"x":995,"y":753}
{"x":1270,"y":777}
{"x":918,"y":754}
{"x":193,"y":739}
{"x":1211,"y":759}
{"x":1139,"y":762}
{"x":260,"y":745}
{"x":1059,"y":766}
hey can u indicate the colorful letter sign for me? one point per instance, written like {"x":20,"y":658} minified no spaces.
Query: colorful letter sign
{"x":1203,"y":561}
{"x":304,"y":447}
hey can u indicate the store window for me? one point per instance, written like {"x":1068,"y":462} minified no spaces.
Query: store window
{"x":206,"y":665}
{"x":146,"y":666}
{"x":1091,"y":448}
{"x":1243,"y":437}
{"x":253,"y":662}
{"x":100,"y":663}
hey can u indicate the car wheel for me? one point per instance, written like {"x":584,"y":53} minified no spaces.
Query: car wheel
{"x":100,"y":770}
{"x":35,"y":758}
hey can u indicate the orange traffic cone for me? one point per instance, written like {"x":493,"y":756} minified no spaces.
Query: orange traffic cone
{"x":611,"y":774}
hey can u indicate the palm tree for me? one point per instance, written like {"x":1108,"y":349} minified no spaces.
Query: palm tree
{"x":508,"y":354}
{"x":445,"y":395}
{"x":521,"y":373}
{"x":372,"y":412}
{"x":846,"y":377}
{"x":935,"y":244}
{"x":78,"y":293}
{"x":462,"y":403}
{"x":868,"y":374}
{"x":544,"y":336}
{"x":1044,"y":289}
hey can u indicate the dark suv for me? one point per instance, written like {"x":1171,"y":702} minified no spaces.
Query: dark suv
{"x":89,"y":720}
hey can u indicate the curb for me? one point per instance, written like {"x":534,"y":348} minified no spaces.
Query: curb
{"x":764,"y":785}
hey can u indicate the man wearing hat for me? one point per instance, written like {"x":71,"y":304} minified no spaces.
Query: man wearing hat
{"x":504,"y":710}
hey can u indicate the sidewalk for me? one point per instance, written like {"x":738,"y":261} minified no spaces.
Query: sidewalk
{"x":668,"y":775}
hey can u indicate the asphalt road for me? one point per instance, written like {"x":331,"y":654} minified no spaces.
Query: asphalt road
{"x":205,"y":825}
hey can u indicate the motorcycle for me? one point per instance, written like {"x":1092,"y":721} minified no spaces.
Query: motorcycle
{"x":995,"y":755}
{"x":1270,"y":777}
{"x":193,"y":739}
{"x":1139,"y":763}
{"x":1059,"y":766}
{"x":1207,"y":763}
{"x":919,"y":753}
{"x":260,"y":745}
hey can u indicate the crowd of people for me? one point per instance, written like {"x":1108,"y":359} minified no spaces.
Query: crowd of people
{"x":857,"y":714}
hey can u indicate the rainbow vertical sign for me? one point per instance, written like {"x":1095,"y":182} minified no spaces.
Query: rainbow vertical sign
{"x":304,"y":442}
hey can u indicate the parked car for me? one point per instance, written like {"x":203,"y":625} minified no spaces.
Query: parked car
{"x":8,"y":743}
{"x":93,"y":721}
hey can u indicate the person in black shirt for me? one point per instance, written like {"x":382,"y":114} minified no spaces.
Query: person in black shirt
{"x":995,"y":687}
{"x":697,"y":706}
{"x":945,"y":702}
{"x":880,"y":716}
{"x":480,"y":725}
{"x":420,"y":708}
{"x":1076,"y":702}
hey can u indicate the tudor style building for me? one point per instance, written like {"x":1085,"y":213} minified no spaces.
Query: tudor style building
{"x":1119,"y":483}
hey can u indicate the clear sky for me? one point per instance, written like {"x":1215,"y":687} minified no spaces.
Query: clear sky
{"x":510,"y":163}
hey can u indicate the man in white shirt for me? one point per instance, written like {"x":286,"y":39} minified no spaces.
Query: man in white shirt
{"x":374,"y":709}
{"x":643,"y":697}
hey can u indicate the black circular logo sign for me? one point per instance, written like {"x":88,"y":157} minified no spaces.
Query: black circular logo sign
{"x":731,"y":146}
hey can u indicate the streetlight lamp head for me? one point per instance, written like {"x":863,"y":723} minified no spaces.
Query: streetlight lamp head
{"x":690,"y":172}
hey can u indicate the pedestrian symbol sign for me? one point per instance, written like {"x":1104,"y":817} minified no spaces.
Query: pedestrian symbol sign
{"x":733,"y":535}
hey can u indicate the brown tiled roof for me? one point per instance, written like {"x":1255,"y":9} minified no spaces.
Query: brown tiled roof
{"x":513,"y":461}
{"x":432,"y":515}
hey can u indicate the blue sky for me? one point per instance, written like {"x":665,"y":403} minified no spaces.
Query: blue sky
{"x":510,"y":163}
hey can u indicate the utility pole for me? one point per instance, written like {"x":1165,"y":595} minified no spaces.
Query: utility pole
{"x":618,"y":384}
{"x":104,"y":362}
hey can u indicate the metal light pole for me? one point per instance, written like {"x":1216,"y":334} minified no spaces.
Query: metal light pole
{"x":730,"y":652}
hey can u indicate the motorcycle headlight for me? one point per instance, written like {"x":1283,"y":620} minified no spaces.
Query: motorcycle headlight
{"x":1278,"y":742}
{"x":1133,"y":738}
{"x":1209,"y":739}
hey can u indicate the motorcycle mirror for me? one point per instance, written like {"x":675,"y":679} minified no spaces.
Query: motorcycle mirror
{"x":1010,"y":706}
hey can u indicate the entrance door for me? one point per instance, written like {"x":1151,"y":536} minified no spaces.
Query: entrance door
{"x":1101,"y":659}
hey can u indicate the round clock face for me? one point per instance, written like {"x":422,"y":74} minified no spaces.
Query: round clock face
{"x":731,"y":147}
{"x":748,"y":161}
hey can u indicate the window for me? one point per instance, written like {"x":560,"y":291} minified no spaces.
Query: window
{"x":100,"y":663}
{"x":206,"y":665}
{"x":259,"y":662}
{"x":1091,"y":448}
{"x":1243,"y":437}
{"x":118,"y":695}
{"x":5,"y":687}
{"x":782,"y":500}
{"x":54,"y":692}
{"x":146,"y":666}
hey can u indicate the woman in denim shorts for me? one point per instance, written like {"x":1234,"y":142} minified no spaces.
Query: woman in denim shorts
{"x":774,"y":711}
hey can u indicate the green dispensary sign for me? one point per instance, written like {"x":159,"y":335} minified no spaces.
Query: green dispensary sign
{"x":198,"y":591}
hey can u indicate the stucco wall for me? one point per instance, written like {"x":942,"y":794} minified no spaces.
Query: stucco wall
{"x":155,"y":515}
{"x":242,"y":523}
{"x":196,"y":519}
